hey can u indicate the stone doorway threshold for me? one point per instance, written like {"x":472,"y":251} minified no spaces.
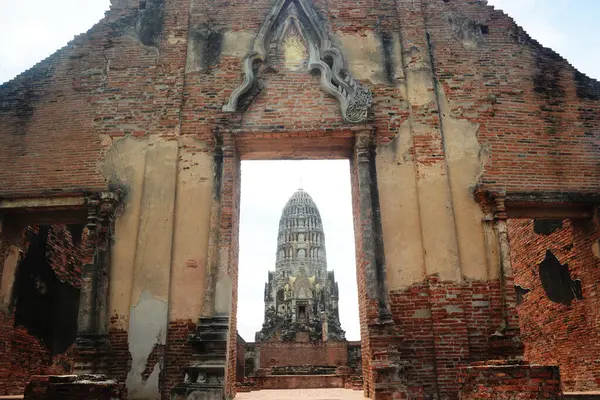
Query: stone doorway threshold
{"x":302,"y":394}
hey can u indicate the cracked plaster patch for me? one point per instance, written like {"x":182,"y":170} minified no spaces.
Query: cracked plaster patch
{"x":147,"y":328}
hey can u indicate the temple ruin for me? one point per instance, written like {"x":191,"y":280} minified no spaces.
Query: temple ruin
{"x":301,"y":296}
{"x":473,"y":154}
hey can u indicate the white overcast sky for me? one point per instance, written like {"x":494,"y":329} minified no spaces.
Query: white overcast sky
{"x":32,"y":30}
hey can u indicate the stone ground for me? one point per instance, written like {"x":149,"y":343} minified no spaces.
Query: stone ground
{"x":302,"y":394}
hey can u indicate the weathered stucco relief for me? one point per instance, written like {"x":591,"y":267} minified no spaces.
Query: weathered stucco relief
{"x":354,"y":98}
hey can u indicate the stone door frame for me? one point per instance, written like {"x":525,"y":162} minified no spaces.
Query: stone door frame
{"x":356,"y":145}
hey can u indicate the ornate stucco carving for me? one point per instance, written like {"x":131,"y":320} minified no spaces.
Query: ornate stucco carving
{"x":354,"y":98}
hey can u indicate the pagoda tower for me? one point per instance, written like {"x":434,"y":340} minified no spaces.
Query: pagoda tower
{"x":301,"y":296}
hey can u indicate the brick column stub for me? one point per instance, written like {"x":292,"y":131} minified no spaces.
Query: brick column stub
{"x":214,"y":235}
{"x":372,"y":249}
{"x":92,"y":323}
{"x":506,"y":341}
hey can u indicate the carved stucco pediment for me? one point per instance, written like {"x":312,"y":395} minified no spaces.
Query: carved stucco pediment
{"x":354,"y":98}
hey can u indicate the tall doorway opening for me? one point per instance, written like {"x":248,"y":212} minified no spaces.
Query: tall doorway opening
{"x":298,"y":319}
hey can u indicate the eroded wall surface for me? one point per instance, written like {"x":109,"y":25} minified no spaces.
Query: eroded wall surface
{"x":39,"y":304}
{"x":556,"y":271}
{"x":462,"y":99}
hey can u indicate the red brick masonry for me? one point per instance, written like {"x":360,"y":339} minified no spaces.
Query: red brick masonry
{"x":553,"y":333}
{"x":284,"y":354}
{"x":509,"y":380}
{"x":301,"y":381}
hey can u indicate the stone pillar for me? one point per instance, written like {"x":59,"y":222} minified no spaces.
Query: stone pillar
{"x":373,"y":257}
{"x":506,"y":342}
{"x":383,"y":369}
{"x":215,"y":233}
{"x":92,"y":325}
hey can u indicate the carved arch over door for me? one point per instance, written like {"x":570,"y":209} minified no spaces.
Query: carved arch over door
{"x":355,"y":99}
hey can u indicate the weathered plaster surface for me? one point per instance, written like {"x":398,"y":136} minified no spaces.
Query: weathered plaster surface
{"x":237,"y":44}
{"x":146,"y":330}
{"x":124,"y":164}
{"x":437,"y":216}
{"x":365,"y":56}
{"x":400,"y":218}
{"x":466,"y":159}
{"x":152,"y":267}
{"x":192,"y":219}
{"x":11,"y":261}
{"x":234,"y":44}
{"x":435,"y":198}
{"x":153,"y":254}
{"x":223,"y":286}
{"x":156,"y":183}
{"x":419,"y":85}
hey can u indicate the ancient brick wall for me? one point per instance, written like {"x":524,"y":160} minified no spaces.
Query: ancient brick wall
{"x":179,"y":353}
{"x":533,"y":108}
{"x":509,"y":381}
{"x":23,"y":355}
{"x":354,"y":356}
{"x":27,"y":350}
{"x":558,"y":311}
{"x":165,"y":70}
{"x":445,"y":326}
{"x":250,"y":359}
{"x":289,"y":354}
{"x":230,"y":222}
{"x":120,"y":361}
{"x":300,"y":382}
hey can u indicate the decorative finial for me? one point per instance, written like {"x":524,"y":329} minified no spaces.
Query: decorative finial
{"x":301,"y":184}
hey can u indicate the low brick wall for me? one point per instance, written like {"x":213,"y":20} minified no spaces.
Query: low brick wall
{"x":505,"y":380}
{"x":300,"y":381}
{"x":298,"y":354}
